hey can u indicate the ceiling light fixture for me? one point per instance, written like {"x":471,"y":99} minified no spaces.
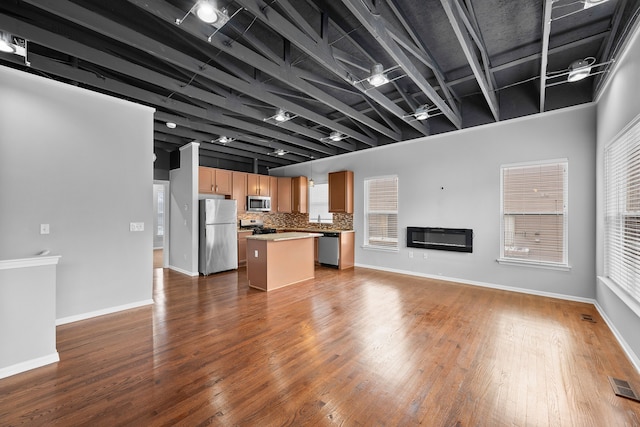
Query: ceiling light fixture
{"x":377,"y":77}
{"x":422,"y":113}
{"x":591,"y":3}
{"x":280,"y":152}
{"x":281,"y":116}
{"x":224,"y":140}
{"x":206,"y":12}
{"x":5,"y":43}
{"x":336,"y":136}
{"x":171,"y":125}
{"x":580,"y":69}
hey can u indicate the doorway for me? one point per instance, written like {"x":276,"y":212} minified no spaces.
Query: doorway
{"x":160,"y":224}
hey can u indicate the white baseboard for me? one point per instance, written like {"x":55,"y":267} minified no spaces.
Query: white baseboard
{"x":29,"y":364}
{"x":633,"y":358}
{"x":180,"y":270}
{"x":89,"y":315}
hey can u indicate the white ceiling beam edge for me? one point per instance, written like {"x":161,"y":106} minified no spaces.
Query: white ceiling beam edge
{"x":467,"y":47}
{"x":546,"y":33}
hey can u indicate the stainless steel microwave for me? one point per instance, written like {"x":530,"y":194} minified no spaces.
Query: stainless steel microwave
{"x":258,"y":203}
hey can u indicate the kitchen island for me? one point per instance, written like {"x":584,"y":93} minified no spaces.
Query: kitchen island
{"x":280,"y":259}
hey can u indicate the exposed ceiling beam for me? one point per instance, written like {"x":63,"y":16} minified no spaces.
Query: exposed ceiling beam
{"x":459,"y":28}
{"x":280,"y":70}
{"x":546,"y":33}
{"x":321,"y":52}
{"x":114,"y":30}
{"x":376,"y":26}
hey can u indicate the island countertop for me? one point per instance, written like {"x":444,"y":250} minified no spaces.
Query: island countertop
{"x":276,"y":237}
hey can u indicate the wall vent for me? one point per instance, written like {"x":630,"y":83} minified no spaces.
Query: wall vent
{"x":622,"y":388}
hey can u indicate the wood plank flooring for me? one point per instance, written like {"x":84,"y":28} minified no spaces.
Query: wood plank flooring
{"x":350,"y":348}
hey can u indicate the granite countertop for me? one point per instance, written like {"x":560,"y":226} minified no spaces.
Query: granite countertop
{"x":317,"y":230}
{"x":276,"y":237}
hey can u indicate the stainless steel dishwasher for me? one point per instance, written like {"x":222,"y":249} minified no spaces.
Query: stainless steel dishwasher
{"x":329,"y":249}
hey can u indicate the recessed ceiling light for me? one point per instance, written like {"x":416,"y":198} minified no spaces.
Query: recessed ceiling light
{"x":170,"y":125}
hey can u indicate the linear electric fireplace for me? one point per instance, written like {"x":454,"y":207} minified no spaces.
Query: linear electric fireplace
{"x":444,"y":239}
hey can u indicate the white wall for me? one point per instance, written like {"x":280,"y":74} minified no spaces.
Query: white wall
{"x":618,"y":105}
{"x":183,"y":237}
{"x":81,"y":162}
{"x":453,"y":180}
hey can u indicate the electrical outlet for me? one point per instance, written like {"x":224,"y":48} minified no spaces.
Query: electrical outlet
{"x":44,"y":228}
{"x":136,"y":226}
{"x":410,"y":254}
{"x":425,"y":255}
{"x":255,"y":253}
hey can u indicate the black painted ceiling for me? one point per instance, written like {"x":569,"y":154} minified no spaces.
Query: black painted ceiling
{"x":469,"y":62}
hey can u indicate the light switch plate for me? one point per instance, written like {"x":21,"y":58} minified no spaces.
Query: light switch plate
{"x":44,"y":228}
{"x":255,"y":253}
{"x":136,"y":226}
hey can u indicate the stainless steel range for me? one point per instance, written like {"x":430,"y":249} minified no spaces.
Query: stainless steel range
{"x":256,"y":225}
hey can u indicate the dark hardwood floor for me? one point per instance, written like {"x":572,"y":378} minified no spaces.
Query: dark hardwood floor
{"x":351,"y":348}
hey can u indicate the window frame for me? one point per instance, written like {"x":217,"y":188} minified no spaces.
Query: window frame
{"x":329,"y":215}
{"x":503,"y":259}
{"x":366,"y":238}
{"x":629,"y":139}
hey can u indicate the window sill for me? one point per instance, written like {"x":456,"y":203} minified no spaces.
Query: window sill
{"x":380,"y":248}
{"x":543,"y":265}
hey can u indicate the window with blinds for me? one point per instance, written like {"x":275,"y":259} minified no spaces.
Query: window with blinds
{"x":319,"y":204}
{"x":622,"y":211}
{"x":534,"y":213}
{"x":381,"y":213}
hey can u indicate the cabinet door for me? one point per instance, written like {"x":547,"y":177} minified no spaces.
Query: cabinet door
{"x":239,"y":190}
{"x":300,"y":191}
{"x":273,"y":192}
{"x":242,"y":246}
{"x":341,"y":192}
{"x":263,"y":184}
{"x":284,"y":194}
{"x":253,"y":184}
{"x":205,"y":180}
{"x":222,"y":181}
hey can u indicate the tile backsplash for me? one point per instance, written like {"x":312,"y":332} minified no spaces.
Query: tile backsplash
{"x":298,"y":220}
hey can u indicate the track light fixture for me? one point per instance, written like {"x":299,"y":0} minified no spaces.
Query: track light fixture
{"x":170,"y":125}
{"x":279,"y":117}
{"x":377,"y":77}
{"x":422,"y":113}
{"x":336,"y":136}
{"x":207,"y":11}
{"x":5,"y":43}
{"x":224,"y":140}
{"x":279,"y":152}
{"x":580,"y":69}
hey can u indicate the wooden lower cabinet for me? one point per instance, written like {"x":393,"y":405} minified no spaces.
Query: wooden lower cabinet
{"x":347,"y":250}
{"x":242,"y":247}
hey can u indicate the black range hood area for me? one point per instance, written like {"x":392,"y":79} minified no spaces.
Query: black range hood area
{"x":443,"y":239}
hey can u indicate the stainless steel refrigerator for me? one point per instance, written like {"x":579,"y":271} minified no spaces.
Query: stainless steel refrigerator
{"x":218,"y":236}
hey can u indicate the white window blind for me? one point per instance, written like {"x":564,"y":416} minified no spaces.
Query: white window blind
{"x":319,"y":204}
{"x":622,"y":211}
{"x":534,"y":213}
{"x":381,"y":213}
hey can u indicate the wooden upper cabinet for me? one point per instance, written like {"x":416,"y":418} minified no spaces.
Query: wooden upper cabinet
{"x":299,"y":193}
{"x":341,"y":192}
{"x":239,"y":190}
{"x":284,"y":194}
{"x":214,"y":181}
{"x":273,"y":192}
{"x":205,"y":180}
{"x":257,"y":185}
{"x":223,"y":182}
